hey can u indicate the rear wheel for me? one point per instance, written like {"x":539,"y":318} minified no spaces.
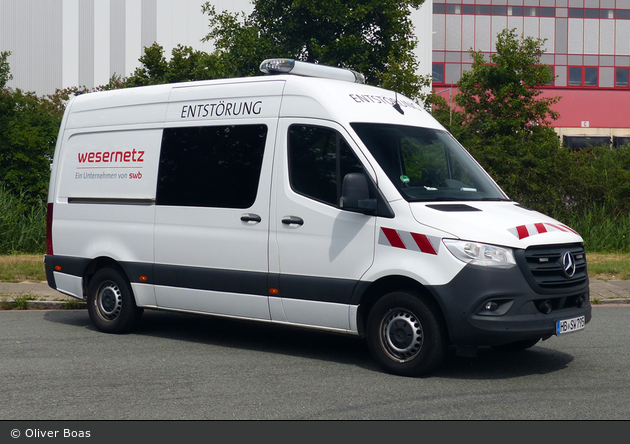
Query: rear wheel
{"x":111,"y":304}
{"x":405,"y":334}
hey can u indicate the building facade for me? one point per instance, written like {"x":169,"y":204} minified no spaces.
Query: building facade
{"x":66,"y":43}
{"x":587,"y":43}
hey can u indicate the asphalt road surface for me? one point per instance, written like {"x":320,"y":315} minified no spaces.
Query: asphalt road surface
{"x":55,"y":366}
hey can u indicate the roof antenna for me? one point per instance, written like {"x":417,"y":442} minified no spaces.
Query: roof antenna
{"x":397,"y":105}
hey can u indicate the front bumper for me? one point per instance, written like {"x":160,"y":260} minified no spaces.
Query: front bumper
{"x":484,"y":306}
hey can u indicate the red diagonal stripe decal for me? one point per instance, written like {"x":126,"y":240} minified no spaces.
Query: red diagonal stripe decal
{"x":424,"y":243}
{"x":561,"y":228}
{"x":393,"y":238}
{"x":541,"y":228}
{"x":522,"y":232}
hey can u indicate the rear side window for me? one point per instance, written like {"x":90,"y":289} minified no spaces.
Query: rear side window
{"x":319,"y":158}
{"x":211,"y":166}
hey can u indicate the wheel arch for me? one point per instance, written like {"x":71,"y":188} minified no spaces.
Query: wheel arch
{"x":388,"y":284}
{"x":100,"y":263}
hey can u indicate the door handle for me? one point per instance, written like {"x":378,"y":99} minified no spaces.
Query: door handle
{"x":250,"y":217}
{"x":292,"y":220}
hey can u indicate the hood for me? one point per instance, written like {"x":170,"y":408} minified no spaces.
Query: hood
{"x":498,"y":223}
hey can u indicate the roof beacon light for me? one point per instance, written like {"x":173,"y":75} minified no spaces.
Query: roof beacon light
{"x":285,"y":66}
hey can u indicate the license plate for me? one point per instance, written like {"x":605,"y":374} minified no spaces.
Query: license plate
{"x":570,"y":325}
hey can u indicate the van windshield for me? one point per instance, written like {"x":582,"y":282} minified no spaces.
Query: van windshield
{"x":427,"y":164}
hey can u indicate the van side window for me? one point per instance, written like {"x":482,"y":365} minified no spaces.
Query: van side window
{"x":319,"y":158}
{"x":211,"y":166}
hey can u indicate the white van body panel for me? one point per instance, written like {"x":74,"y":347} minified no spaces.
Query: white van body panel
{"x":211,"y":102}
{"x":135,"y":106}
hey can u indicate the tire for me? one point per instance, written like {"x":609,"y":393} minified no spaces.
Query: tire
{"x":517,"y":345}
{"x":405,"y":335}
{"x":111,"y":305}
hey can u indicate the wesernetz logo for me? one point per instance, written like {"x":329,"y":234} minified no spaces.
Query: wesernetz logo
{"x":568,"y":264}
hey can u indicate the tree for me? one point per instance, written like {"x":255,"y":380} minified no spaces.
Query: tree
{"x":505,"y":124}
{"x":373,"y":37}
{"x":185,"y":64}
{"x":5,"y":69}
{"x":28,"y":132}
{"x":501,"y":97}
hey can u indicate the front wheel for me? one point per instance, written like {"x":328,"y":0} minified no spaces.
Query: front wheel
{"x":405,"y":334}
{"x":111,"y":304}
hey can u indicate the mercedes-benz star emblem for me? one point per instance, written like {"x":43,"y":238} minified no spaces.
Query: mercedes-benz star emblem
{"x":568,"y":263}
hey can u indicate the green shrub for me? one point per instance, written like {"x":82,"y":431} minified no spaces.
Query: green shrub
{"x":22,"y":224}
{"x":603,"y":232}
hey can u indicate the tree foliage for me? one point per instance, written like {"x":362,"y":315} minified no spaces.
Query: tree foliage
{"x":28,"y":133}
{"x":501,"y":97}
{"x":505,"y":124}
{"x":5,"y":69}
{"x":374,"y":37}
{"x":184,"y":64}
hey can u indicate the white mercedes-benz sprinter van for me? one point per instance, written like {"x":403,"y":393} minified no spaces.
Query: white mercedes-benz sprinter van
{"x":304,"y":198}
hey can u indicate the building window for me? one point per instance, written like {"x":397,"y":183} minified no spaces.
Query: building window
{"x":590,"y":76}
{"x":591,"y":13}
{"x":583,"y":76}
{"x":553,"y":72}
{"x":484,"y":10}
{"x":621,"y":77}
{"x":453,"y":9}
{"x":575,"y":76}
{"x":438,"y":73}
{"x":547,"y":12}
{"x":530,"y":11}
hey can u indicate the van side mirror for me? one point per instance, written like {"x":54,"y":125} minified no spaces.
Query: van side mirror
{"x":355,"y":194}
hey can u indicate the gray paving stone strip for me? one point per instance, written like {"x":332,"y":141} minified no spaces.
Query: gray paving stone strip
{"x":602,"y":292}
{"x":45,"y":298}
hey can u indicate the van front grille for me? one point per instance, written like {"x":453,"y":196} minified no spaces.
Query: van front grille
{"x":554,"y":268}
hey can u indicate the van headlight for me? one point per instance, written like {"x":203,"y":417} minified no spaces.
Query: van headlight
{"x":485,"y":255}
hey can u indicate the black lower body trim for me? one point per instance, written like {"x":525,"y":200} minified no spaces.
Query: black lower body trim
{"x":212,"y":279}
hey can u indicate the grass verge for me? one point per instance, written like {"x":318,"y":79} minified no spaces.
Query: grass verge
{"x":22,"y":267}
{"x":608,"y":266}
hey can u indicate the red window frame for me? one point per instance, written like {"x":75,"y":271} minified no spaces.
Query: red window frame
{"x":442,"y":82}
{"x":627,"y":77}
{"x":582,"y":76}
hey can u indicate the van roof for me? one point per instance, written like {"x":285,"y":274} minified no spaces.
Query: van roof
{"x":288,"y":95}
